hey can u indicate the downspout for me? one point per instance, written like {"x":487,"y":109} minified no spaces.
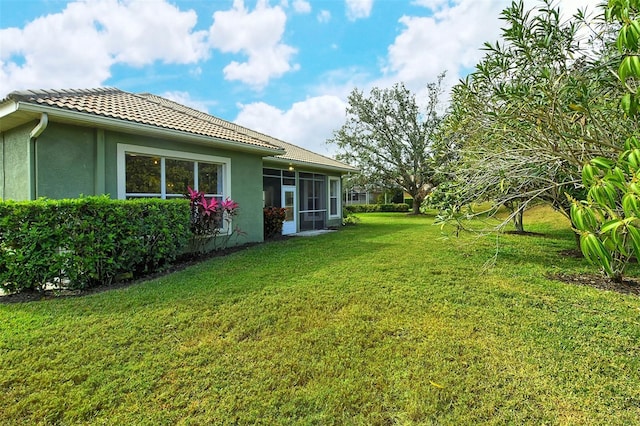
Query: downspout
{"x":4,"y":170}
{"x":33,"y":158}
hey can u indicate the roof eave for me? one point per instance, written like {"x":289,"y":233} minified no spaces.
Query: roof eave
{"x":85,"y":119}
{"x":7,"y":108}
{"x":299,"y":163}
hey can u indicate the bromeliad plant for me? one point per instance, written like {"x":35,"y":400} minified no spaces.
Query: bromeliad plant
{"x":608,"y":221}
{"x":211,"y":222}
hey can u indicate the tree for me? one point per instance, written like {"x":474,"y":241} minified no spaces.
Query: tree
{"x":608,"y":220}
{"x":539,"y":105}
{"x":388,"y":138}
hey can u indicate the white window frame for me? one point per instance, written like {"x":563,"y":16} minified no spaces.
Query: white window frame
{"x":338,"y":197}
{"x":124,"y":149}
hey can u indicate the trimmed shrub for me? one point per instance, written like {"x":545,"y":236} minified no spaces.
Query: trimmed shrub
{"x":273,"y":219}
{"x":89,"y":241}
{"x":349,"y":218}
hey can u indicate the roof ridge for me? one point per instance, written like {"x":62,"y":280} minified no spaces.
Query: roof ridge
{"x":64,"y":92}
{"x":306,"y":149}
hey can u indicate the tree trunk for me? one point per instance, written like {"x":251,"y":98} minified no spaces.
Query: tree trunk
{"x":417,"y":202}
{"x":517,"y":221}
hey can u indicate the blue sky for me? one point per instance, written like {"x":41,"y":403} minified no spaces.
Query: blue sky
{"x":283,"y":67}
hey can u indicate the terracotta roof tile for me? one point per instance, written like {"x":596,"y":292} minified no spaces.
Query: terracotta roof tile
{"x":293,"y":152}
{"x":153,"y":110}
{"x":114,"y":103}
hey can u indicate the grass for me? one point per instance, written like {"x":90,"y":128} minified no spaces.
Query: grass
{"x":383,"y":323}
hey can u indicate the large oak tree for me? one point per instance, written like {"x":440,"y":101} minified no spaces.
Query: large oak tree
{"x":391,"y":139}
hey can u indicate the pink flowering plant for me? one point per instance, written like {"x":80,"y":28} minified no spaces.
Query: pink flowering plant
{"x":211,"y":221}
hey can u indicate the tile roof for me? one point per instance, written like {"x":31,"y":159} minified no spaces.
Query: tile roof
{"x":292,"y":153}
{"x":114,"y":103}
{"x":153,"y":110}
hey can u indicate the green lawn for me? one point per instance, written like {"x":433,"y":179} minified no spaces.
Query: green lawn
{"x":383,"y":323}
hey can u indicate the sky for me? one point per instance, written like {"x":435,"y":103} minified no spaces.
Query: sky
{"x":282,"y":67}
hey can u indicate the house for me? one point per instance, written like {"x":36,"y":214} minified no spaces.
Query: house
{"x":67,"y":143}
{"x":356,"y":194}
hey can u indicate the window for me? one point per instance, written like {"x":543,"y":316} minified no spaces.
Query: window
{"x":155,"y":173}
{"x":334,"y":197}
{"x":143,"y":174}
{"x":179,"y":174}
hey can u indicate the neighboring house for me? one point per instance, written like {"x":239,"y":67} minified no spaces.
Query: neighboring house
{"x":68,"y":143}
{"x":361,"y":195}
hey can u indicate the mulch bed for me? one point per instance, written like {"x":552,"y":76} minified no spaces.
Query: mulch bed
{"x":627,"y":286}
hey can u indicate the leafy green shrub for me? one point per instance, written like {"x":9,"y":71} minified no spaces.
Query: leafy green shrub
{"x":399,"y":207}
{"x":362,"y":208}
{"x":608,"y":221}
{"x":349,"y":218}
{"x":372,"y":208}
{"x":29,"y":245}
{"x":89,"y":241}
{"x":273,"y":219}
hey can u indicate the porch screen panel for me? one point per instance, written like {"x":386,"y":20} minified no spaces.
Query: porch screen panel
{"x":320,"y":193}
{"x":288,"y":177}
{"x":312,"y":201}
{"x":272,"y":188}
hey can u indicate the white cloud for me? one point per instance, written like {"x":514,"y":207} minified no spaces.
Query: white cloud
{"x":431,"y":4}
{"x":449,"y":39}
{"x":142,"y":32}
{"x":568,"y":7}
{"x":302,"y":6}
{"x":184,"y":98}
{"x":358,"y":9}
{"x":258,"y":35}
{"x":324,"y":16}
{"x":308,"y":123}
{"x":78,"y":46}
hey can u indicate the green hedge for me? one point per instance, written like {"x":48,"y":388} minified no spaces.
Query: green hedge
{"x":371,"y":208}
{"x":85,"y":242}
